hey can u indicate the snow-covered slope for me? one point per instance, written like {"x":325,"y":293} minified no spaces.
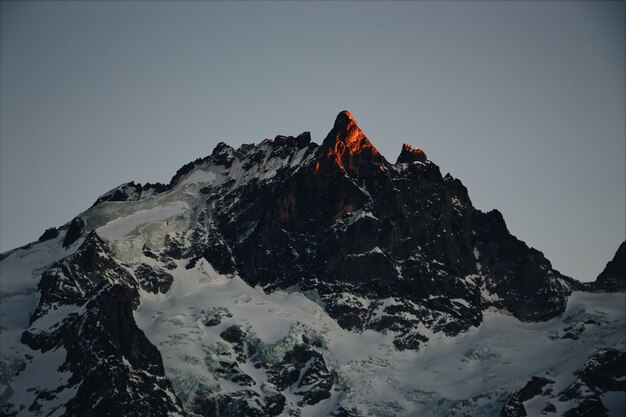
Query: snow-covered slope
{"x":293,"y":279}
{"x":473,"y":373}
{"x":468,"y":375}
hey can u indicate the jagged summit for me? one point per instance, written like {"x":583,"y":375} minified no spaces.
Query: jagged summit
{"x":282,"y":278}
{"x":347,"y":146}
{"x":344,"y":118}
{"x":220,"y":148}
{"x":410,"y":154}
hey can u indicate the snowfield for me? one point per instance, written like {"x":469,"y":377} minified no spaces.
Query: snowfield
{"x":134,"y":224}
{"x":471,"y":374}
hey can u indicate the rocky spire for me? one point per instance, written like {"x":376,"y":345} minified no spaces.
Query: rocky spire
{"x":410,"y":154}
{"x":347,"y":146}
{"x":613,"y":277}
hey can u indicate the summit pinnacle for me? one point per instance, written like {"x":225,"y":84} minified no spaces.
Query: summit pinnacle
{"x":347,"y":146}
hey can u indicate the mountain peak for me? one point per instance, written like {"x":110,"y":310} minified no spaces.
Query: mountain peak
{"x":347,"y":146}
{"x":344,"y":118}
{"x":410,"y":154}
{"x":346,"y":130}
{"x":367,"y":252}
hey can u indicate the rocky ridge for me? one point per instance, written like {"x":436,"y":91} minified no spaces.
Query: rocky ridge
{"x":393,"y":249}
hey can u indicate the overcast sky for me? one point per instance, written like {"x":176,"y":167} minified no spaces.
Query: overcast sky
{"x":523,"y":101}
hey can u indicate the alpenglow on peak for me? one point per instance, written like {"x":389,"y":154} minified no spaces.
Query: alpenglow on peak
{"x":347,"y":146}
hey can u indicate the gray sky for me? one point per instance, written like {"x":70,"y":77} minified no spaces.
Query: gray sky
{"x":523,"y":101}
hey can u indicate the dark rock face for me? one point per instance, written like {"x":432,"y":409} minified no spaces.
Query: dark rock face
{"x":536,"y":386}
{"x":153,"y":279}
{"x":383,"y":247}
{"x":88,"y":269}
{"x":241,"y":403}
{"x":613,"y":277}
{"x":234,"y":334}
{"x":74,"y":231}
{"x":346,"y":223}
{"x":50,"y":233}
{"x":529,"y":286}
{"x":409,"y":154}
{"x":214,"y":316}
{"x":131,"y":191}
{"x":114,"y":369}
{"x":306,"y":370}
{"x":605,"y":371}
{"x":143,"y":377}
{"x":347,"y":147}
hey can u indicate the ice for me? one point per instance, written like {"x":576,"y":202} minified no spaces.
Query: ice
{"x":134,"y":224}
{"x":199,"y":176}
{"x":129,"y":234}
{"x":472,"y":373}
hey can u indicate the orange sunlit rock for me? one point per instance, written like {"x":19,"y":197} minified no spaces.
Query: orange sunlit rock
{"x":347,"y":146}
{"x":410,"y":154}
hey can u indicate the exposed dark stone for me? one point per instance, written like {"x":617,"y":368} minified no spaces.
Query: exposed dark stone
{"x":316,"y":382}
{"x":173,"y":248}
{"x":409,"y":341}
{"x":218,"y":253}
{"x":223,"y":155}
{"x":214,"y":316}
{"x":234,"y":334}
{"x":549,"y":408}
{"x":574,"y":331}
{"x":239,"y":404}
{"x":121,"y":193}
{"x":344,"y":225}
{"x":409,"y":155}
{"x":153,"y":279}
{"x":285,"y":375}
{"x":305,"y":368}
{"x":131,"y":191}
{"x":78,"y":277}
{"x":50,"y":233}
{"x":514,"y":407}
{"x":349,"y":222}
{"x":613,"y":277}
{"x":274,"y":403}
{"x":522,"y":276}
{"x":589,"y":407}
{"x":109,"y":357}
{"x":604,"y":371}
{"x":186,"y":169}
{"x":146,"y":251}
{"x":74,"y":231}
{"x":230,"y":371}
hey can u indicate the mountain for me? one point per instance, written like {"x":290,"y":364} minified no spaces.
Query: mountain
{"x":613,"y":277}
{"x":296,"y":279}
